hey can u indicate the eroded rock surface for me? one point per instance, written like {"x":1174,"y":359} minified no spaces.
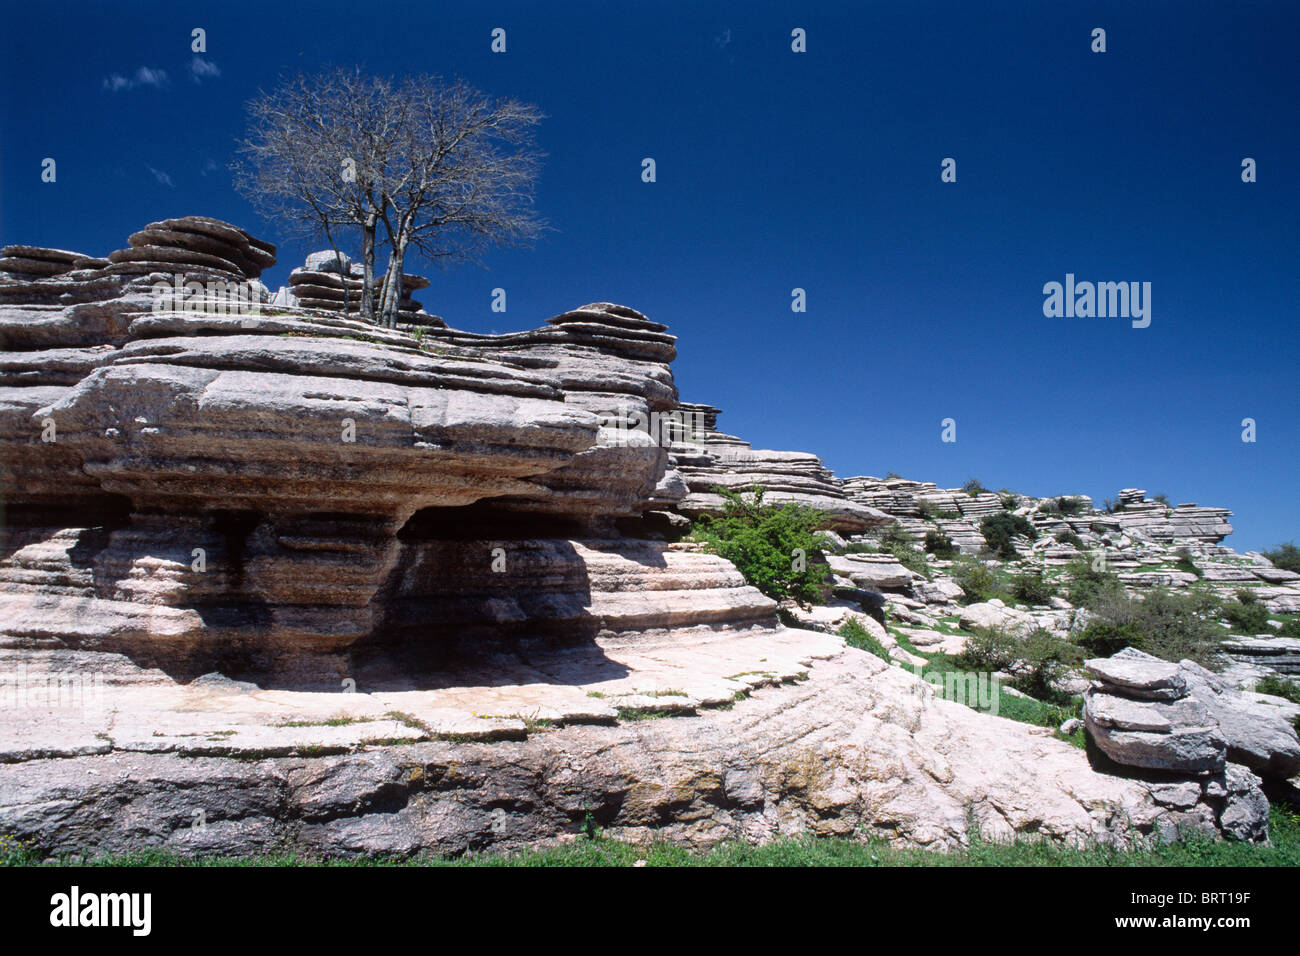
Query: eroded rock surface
{"x":847,"y":747}
{"x":1201,"y":742}
{"x":349,"y":589}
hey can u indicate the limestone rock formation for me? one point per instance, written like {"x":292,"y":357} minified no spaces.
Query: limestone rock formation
{"x":1187,"y":522}
{"x":35,"y":262}
{"x":787,"y":476}
{"x":333,"y":282}
{"x":1200,"y":739}
{"x":228,"y":512}
{"x":194,"y":241}
{"x":848,"y":747}
{"x":272,"y":494}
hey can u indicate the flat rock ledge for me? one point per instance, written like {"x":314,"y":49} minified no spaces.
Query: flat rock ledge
{"x":847,"y":747}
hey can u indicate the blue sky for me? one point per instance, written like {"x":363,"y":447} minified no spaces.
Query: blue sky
{"x":820,"y":171}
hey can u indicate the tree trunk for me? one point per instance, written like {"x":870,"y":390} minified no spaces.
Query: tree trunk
{"x":393,"y":280}
{"x":368,"y":268}
{"x":392,"y":286}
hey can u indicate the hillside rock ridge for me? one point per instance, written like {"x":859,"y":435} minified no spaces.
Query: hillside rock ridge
{"x":297,"y":560}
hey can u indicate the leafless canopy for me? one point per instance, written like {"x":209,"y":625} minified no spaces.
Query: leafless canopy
{"x":412,"y":163}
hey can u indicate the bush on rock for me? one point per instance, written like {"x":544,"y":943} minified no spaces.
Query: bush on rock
{"x":775,"y":548}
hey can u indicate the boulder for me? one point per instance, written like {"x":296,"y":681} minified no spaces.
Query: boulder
{"x":1145,"y":677}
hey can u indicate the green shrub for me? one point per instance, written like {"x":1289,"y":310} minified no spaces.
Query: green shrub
{"x":911,"y":559}
{"x":1285,"y":556}
{"x":988,"y":649}
{"x":1289,"y":629}
{"x":974,"y":487}
{"x":1170,"y":626}
{"x":999,"y":529}
{"x":1185,"y":562}
{"x":855,"y":635}
{"x":1069,"y":506}
{"x":939,"y":544}
{"x":1069,"y":537}
{"x":1036,"y":661}
{"x":1032,"y":588}
{"x":977,"y":580}
{"x":1045,"y":659}
{"x":1011,"y":502}
{"x":902,"y":546}
{"x":1087,"y":585}
{"x":1104,"y":638}
{"x":932,"y":512}
{"x":896,"y":535}
{"x":861,"y":547}
{"x":1096,"y":527}
{"x":1279,"y":687}
{"x":762,"y":542}
{"x":1162,"y":498}
{"x":1246,"y":614}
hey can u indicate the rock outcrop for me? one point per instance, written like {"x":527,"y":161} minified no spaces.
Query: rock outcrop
{"x":333,"y":282}
{"x":35,"y":262}
{"x":1160,"y":522}
{"x":849,"y":747}
{"x":794,"y":477}
{"x":1200,"y":743}
{"x":208,"y":488}
{"x":223,"y":513}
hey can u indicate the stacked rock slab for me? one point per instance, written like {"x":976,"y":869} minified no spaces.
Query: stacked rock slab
{"x":272,"y":494}
{"x":1163,"y":721}
{"x":906,"y":501}
{"x":332,"y":281}
{"x":1159,"y":522}
{"x":613,"y":366}
{"x":795,"y":477}
{"x":193,"y":242}
{"x":36,"y":262}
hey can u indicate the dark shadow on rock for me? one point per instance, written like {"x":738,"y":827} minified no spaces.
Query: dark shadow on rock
{"x":467,"y":596}
{"x":485,"y":596}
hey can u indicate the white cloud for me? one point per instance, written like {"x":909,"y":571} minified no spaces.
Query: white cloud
{"x":145,"y":76}
{"x":201,"y":69}
{"x":163,"y":178}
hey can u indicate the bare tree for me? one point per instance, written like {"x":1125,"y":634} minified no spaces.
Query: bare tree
{"x":445,"y":169}
{"x":460,"y":180}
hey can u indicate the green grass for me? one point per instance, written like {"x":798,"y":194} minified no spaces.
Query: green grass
{"x":855,"y":635}
{"x":800,"y":851}
{"x":1279,"y":687}
{"x":643,"y":713}
{"x":1024,"y":710}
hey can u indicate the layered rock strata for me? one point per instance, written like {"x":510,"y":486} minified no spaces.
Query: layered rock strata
{"x":333,"y":282}
{"x":1205,"y":747}
{"x":467,"y":534}
{"x":786,"y":476}
{"x":272,"y":494}
{"x":1160,"y":522}
{"x":849,"y":747}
